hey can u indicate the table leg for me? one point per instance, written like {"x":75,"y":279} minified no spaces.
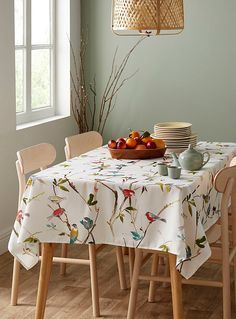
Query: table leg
{"x":176,"y":289}
{"x":154,"y":271}
{"x":44,"y":276}
{"x":131,"y":262}
{"x":121,"y":268}
{"x":94,"y":280}
{"x":134,"y":283}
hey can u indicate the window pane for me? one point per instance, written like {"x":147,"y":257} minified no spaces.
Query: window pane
{"x":40,"y":21}
{"x":40,"y":84}
{"x":19,"y":57}
{"x":19,"y":22}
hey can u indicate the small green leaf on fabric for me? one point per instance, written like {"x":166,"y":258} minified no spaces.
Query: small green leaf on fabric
{"x":144,"y":189}
{"x":62,"y":181}
{"x":164,"y":248}
{"x":188,"y":252}
{"x":168,"y":188}
{"x":31,"y":240}
{"x":63,"y":188}
{"x":200,"y":241}
{"x":130,"y":208}
{"x":190,"y":209}
{"x":91,"y":201}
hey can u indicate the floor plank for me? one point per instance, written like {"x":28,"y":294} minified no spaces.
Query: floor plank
{"x":69,"y":296}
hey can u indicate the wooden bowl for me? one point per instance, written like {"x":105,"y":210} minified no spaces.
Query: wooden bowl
{"x":137,"y":154}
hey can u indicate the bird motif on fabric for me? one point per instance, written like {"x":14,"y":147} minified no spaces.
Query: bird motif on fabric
{"x":128,"y":193}
{"x":87,"y":223}
{"x":57,"y":213}
{"x":19,"y":216}
{"x":74,"y":234}
{"x":151,"y":217}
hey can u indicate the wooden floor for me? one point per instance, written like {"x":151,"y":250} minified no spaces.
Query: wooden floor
{"x":69,"y":296}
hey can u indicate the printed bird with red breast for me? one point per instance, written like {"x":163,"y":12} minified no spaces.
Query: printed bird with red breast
{"x":151,"y":217}
{"x":57,"y":213}
{"x":128,"y":193}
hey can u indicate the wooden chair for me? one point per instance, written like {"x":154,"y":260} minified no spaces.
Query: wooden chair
{"x":28,"y":160}
{"x":75,"y":146}
{"x":81,"y":143}
{"x":222,"y":238}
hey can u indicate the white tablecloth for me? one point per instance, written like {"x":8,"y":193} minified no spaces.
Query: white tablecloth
{"x":96,"y":199}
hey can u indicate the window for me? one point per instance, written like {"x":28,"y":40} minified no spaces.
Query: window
{"x":34,"y":59}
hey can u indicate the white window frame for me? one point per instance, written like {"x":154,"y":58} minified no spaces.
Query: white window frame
{"x":29,"y":114}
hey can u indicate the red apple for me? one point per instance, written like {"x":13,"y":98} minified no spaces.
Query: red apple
{"x":121,"y":144}
{"x":121,"y":139}
{"x":112,"y":144}
{"x":138,"y":140}
{"x":151,"y":145}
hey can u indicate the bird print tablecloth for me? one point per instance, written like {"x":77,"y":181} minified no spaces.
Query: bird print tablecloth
{"x":96,"y":199}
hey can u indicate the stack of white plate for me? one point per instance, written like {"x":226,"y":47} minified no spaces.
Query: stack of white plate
{"x":176,"y":135}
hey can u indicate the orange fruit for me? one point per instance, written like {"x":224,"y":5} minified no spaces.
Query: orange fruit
{"x":140,"y":147}
{"x":131,"y":143}
{"x":159,"y":143}
{"x":134,"y":134}
{"x":147,"y":139}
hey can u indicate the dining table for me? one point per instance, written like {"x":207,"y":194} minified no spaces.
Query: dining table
{"x":95,"y":199}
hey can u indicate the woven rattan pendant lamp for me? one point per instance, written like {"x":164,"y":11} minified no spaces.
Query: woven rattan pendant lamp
{"x":147,"y":17}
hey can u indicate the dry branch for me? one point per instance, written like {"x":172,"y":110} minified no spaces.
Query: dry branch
{"x":82,"y":95}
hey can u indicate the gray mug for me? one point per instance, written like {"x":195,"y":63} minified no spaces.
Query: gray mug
{"x":174,"y":171}
{"x":162,"y":169}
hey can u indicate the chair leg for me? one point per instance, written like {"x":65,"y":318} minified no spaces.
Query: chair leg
{"x":125,"y":250}
{"x":44,"y":277}
{"x":176,"y":289}
{"x":166,"y":272}
{"x":154,"y":270}
{"x":94,"y":280}
{"x":134,"y":284}
{"x":131,"y":262}
{"x":235,"y":280}
{"x":15,"y":282}
{"x":64,"y":248}
{"x":226,"y":292}
{"x":121,"y":267}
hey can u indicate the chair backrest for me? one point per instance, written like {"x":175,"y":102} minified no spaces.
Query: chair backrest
{"x":225,"y":183}
{"x":33,"y":158}
{"x":223,"y":177}
{"x":82,"y":143}
{"x":233,"y":161}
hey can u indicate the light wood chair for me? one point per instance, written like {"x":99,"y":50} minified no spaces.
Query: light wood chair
{"x":222,"y":238}
{"x":28,"y":160}
{"x":81,"y":143}
{"x":75,"y":146}
{"x":31,"y":159}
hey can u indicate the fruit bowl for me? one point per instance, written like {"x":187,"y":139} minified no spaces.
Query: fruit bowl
{"x":137,"y":154}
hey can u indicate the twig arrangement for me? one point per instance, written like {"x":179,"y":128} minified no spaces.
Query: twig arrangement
{"x":90,"y":111}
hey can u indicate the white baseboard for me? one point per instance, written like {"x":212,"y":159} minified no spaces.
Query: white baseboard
{"x":4,"y":238}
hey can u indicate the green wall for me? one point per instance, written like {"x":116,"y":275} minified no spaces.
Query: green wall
{"x":190,"y":77}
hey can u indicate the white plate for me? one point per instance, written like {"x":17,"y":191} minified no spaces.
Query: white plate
{"x":173,"y":125}
{"x":173,"y":137}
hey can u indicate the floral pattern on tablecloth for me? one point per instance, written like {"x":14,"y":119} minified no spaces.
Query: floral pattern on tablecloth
{"x":96,"y":199}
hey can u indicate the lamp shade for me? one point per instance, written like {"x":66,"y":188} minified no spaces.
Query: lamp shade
{"x":130,"y":17}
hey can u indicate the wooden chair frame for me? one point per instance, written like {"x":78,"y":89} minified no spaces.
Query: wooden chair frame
{"x":28,"y":160}
{"x":75,"y":146}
